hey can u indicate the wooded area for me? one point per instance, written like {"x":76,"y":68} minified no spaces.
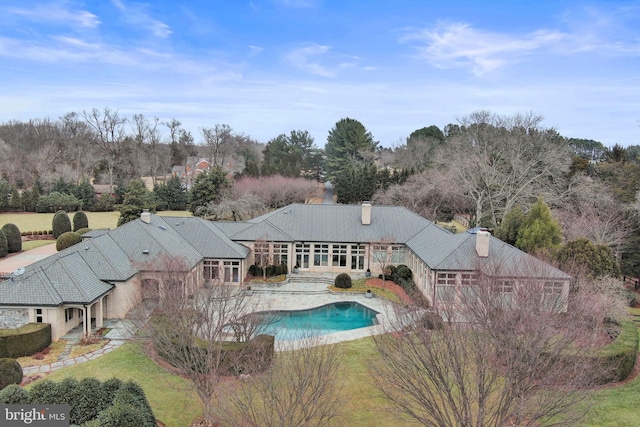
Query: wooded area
{"x":492,"y":168}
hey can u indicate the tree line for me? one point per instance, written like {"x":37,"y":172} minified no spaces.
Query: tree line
{"x":487,"y":166}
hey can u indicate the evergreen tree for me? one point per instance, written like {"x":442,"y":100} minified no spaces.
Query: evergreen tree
{"x":540,"y":232}
{"x":581,"y":256}
{"x":348,"y":143}
{"x":136,"y":199}
{"x":510,"y":227}
{"x":171,"y":195}
{"x":86,"y":193}
{"x":15,"y":202}
{"x":208,"y":187}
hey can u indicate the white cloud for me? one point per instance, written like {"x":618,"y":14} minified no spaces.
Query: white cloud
{"x":460,"y":45}
{"x":56,"y":13}
{"x":305,"y":58}
{"x":137,"y":14}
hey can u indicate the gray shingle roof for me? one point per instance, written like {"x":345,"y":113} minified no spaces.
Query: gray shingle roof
{"x":336,"y":223}
{"x":67,"y":279}
{"x":209,"y":240}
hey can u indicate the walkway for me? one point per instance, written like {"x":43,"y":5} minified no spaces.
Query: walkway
{"x":119,"y":334}
{"x":12,"y":262}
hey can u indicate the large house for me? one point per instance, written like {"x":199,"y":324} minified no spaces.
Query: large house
{"x":110,"y":270}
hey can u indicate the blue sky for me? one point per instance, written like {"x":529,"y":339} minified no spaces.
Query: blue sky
{"x":267,"y":67}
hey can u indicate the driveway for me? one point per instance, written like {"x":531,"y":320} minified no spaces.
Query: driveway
{"x":12,"y":262}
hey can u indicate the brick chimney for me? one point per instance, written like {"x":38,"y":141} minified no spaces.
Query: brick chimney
{"x":482,"y":243}
{"x":366,"y":213}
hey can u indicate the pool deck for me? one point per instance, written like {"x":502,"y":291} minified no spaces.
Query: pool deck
{"x":306,"y":295}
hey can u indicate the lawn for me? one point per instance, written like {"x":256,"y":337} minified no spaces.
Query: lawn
{"x":362,"y":405}
{"x":28,"y":221}
{"x":170,"y":396}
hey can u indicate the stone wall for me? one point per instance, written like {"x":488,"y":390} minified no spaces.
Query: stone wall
{"x":11,"y":318}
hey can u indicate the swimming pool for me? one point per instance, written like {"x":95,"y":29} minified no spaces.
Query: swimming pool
{"x":326,"y":319}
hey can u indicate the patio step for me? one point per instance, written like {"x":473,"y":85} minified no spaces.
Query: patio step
{"x":298,"y":278}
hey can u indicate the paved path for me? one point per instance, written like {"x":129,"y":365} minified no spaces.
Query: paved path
{"x":119,"y":334}
{"x":12,"y":262}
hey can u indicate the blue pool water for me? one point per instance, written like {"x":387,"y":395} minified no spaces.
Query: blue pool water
{"x":327,"y":319}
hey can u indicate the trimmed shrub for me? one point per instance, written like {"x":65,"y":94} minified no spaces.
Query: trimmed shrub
{"x":124,"y":415}
{"x":60,"y":224}
{"x":14,"y":237}
{"x":67,"y":389}
{"x":83,"y":231}
{"x":13,"y":394}
{"x":67,"y":239}
{"x":343,"y":281}
{"x":25,"y":340}
{"x":4,"y":248}
{"x":45,"y":392}
{"x":109,"y":388}
{"x":432,"y":320}
{"x":80,"y":220}
{"x":10,"y":372}
{"x":87,"y":402}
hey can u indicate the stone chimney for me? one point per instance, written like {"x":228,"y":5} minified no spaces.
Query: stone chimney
{"x":145,"y":216}
{"x":366,"y":213}
{"x":482,"y":243}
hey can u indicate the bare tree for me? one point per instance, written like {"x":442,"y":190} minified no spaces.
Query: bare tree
{"x":218,"y":140}
{"x":78,"y":137}
{"x":147,"y":140}
{"x":109,"y":129}
{"x":498,"y":161}
{"x":192,"y":327}
{"x":507,"y":354}
{"x":381,"y":255}
{"x":302,"y":388}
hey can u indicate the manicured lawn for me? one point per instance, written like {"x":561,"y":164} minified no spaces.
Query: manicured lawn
{"x":28,"y":221}
{"x":170,"y":396}
{"x":362,"y":405}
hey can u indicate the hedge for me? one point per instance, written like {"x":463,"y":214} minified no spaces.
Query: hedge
{"x":4,"y":247}
{"x":67,"y":239}
{"x":14,"y":237}
{"x":619,"y":357}
{"x":91,"y":402}
{"x":60,"y":223}
{"x":25,"y":340}
{"x":80,"y":220}
{"x":10,"y":372}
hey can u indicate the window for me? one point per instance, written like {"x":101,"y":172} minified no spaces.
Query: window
{"x":261,"y":253}
{"x":302,"y":255}
{"x":504,"y":289}
{"x":468,"y":287}
{"x":340,"y":255}
{"x":39,"y":315}
{"x":446,"y":287}
{"x":357,"y":257}
{"x":398,"y":254}
{"x":68,"y":314}
{"x":321,"y":255}
{"x":380,"y":253}
{"x":211,"y":269}
{"x":280,"y":254}
{"x":231,"y":271}
{"x":552,"y":296}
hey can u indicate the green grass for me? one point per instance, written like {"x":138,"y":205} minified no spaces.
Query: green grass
{"x":362,"y":405}
{"x":170,"y":396}
{"x":32,"y":244}
{"x":28,"y":221}
{"x":359,"y":285}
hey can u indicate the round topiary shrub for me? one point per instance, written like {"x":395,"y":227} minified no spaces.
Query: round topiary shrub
{"x":83,"y":230}
{"x":45,"y":392}
{"x":4,"y":248}
{"x":343,"y":281}
{"x":67,"y":239}
{"x":14,"y":237}
{"x":432,"y":320}
{"x":60,"y":224}
{"x":10,"y":372}
{"x":80,"y":220}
